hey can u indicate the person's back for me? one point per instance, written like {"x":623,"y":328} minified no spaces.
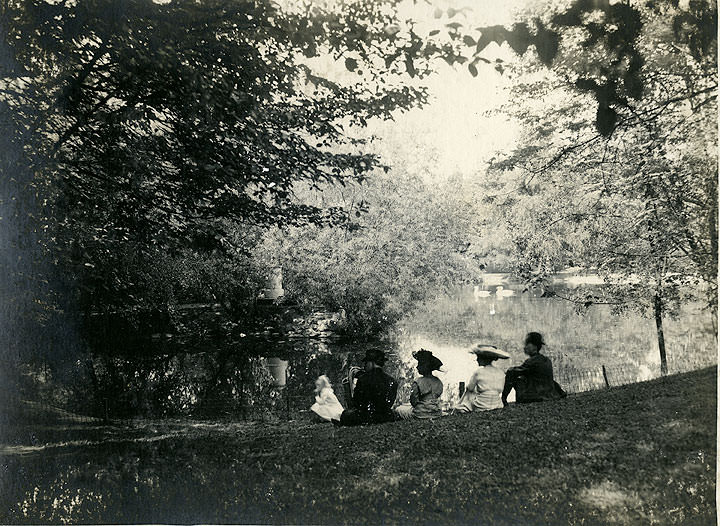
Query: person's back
{"x":533,"y":380}
{"x":425,"y":390}
{"x":426,"y":399}
{"x":484,"y":390}
{"x":374,"y":396}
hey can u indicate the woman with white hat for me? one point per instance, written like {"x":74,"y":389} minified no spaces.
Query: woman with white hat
{"x":484,"y":389}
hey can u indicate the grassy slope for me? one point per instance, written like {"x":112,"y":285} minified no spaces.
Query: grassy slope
{"x":639,"y":454}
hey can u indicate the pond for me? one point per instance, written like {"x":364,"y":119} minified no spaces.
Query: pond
{"x":214,"y":384}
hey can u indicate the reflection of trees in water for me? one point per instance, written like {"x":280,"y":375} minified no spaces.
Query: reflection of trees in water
{"x":221,"y":383}
{"x":579,"y":344}
{"x":204,"y":384}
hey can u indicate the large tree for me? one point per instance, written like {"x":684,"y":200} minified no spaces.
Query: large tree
{"x":147,"y":145}
{"x":153,"y":125}
{"x":626,"y":184}
{"x":146,"y":140}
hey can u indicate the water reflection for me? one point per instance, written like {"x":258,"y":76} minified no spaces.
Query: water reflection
{"x":578,"y":344}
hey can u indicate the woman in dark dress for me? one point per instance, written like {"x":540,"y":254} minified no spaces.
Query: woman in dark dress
{"x":533,"y":380}
{"x":373,"y":396}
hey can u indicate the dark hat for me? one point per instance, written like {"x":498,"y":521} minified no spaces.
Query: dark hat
{"x":535,"y":338}
{"x":423,"y":356}
{"x":489,"y":351}
{"x":376,"y":356}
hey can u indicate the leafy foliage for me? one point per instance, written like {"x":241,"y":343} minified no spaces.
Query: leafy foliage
{"x":636,"y":201}
{"x":409,"y":243}
{"x":148,"y":134}
{"x":154,"y":144}
{"x":611,"y":32}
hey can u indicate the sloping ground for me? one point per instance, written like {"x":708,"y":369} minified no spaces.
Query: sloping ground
{"x":638,"y":454}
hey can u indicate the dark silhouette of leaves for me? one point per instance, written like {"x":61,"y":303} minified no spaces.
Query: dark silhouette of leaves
{"x":351,"y":64}
{"x":519,"y":39}
{"x":490,"y":34}
{"x":546,"y":44}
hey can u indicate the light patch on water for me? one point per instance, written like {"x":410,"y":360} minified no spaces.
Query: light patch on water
{"x":576,"y":281}
{"x":653,"y":356}
{"x":644,"y":373}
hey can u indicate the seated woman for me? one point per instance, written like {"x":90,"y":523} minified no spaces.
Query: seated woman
{"x":533,"y":380}
{"x":373,"y":395}
{"x":425,"y":390}
{"x":326,"y":405}
{"x":484,"y":389}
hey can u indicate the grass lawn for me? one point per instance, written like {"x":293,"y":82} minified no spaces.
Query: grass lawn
{"x":638,"y":454}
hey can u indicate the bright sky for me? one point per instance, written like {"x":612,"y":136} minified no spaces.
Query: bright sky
{"x":457,"y":123}
{"x":455,"y":128}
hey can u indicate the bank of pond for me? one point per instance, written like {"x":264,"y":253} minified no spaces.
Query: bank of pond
{"x":274,"y":378}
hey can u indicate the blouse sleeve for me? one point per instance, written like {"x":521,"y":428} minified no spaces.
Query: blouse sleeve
{"x":472,"y":382}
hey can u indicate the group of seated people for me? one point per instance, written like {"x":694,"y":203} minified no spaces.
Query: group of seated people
{"x":488,"y":388}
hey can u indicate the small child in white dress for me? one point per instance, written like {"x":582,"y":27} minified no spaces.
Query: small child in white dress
{"x":326,"y":404}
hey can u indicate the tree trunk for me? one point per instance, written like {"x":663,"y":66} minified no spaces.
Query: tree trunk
{"x":93,"y":379}
{"x":661,"y":336}
{"x":713,"y":260}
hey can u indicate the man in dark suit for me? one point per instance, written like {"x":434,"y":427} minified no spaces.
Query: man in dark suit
{"x":533,"y":380}
{"x":373,"y":396}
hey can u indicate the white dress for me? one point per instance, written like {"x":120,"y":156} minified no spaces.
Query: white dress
{"x":484,"y":390}
{"x":326,"y":405}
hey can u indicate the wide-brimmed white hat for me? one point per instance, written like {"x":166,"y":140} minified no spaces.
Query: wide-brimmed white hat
{"x":490,"y":351}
